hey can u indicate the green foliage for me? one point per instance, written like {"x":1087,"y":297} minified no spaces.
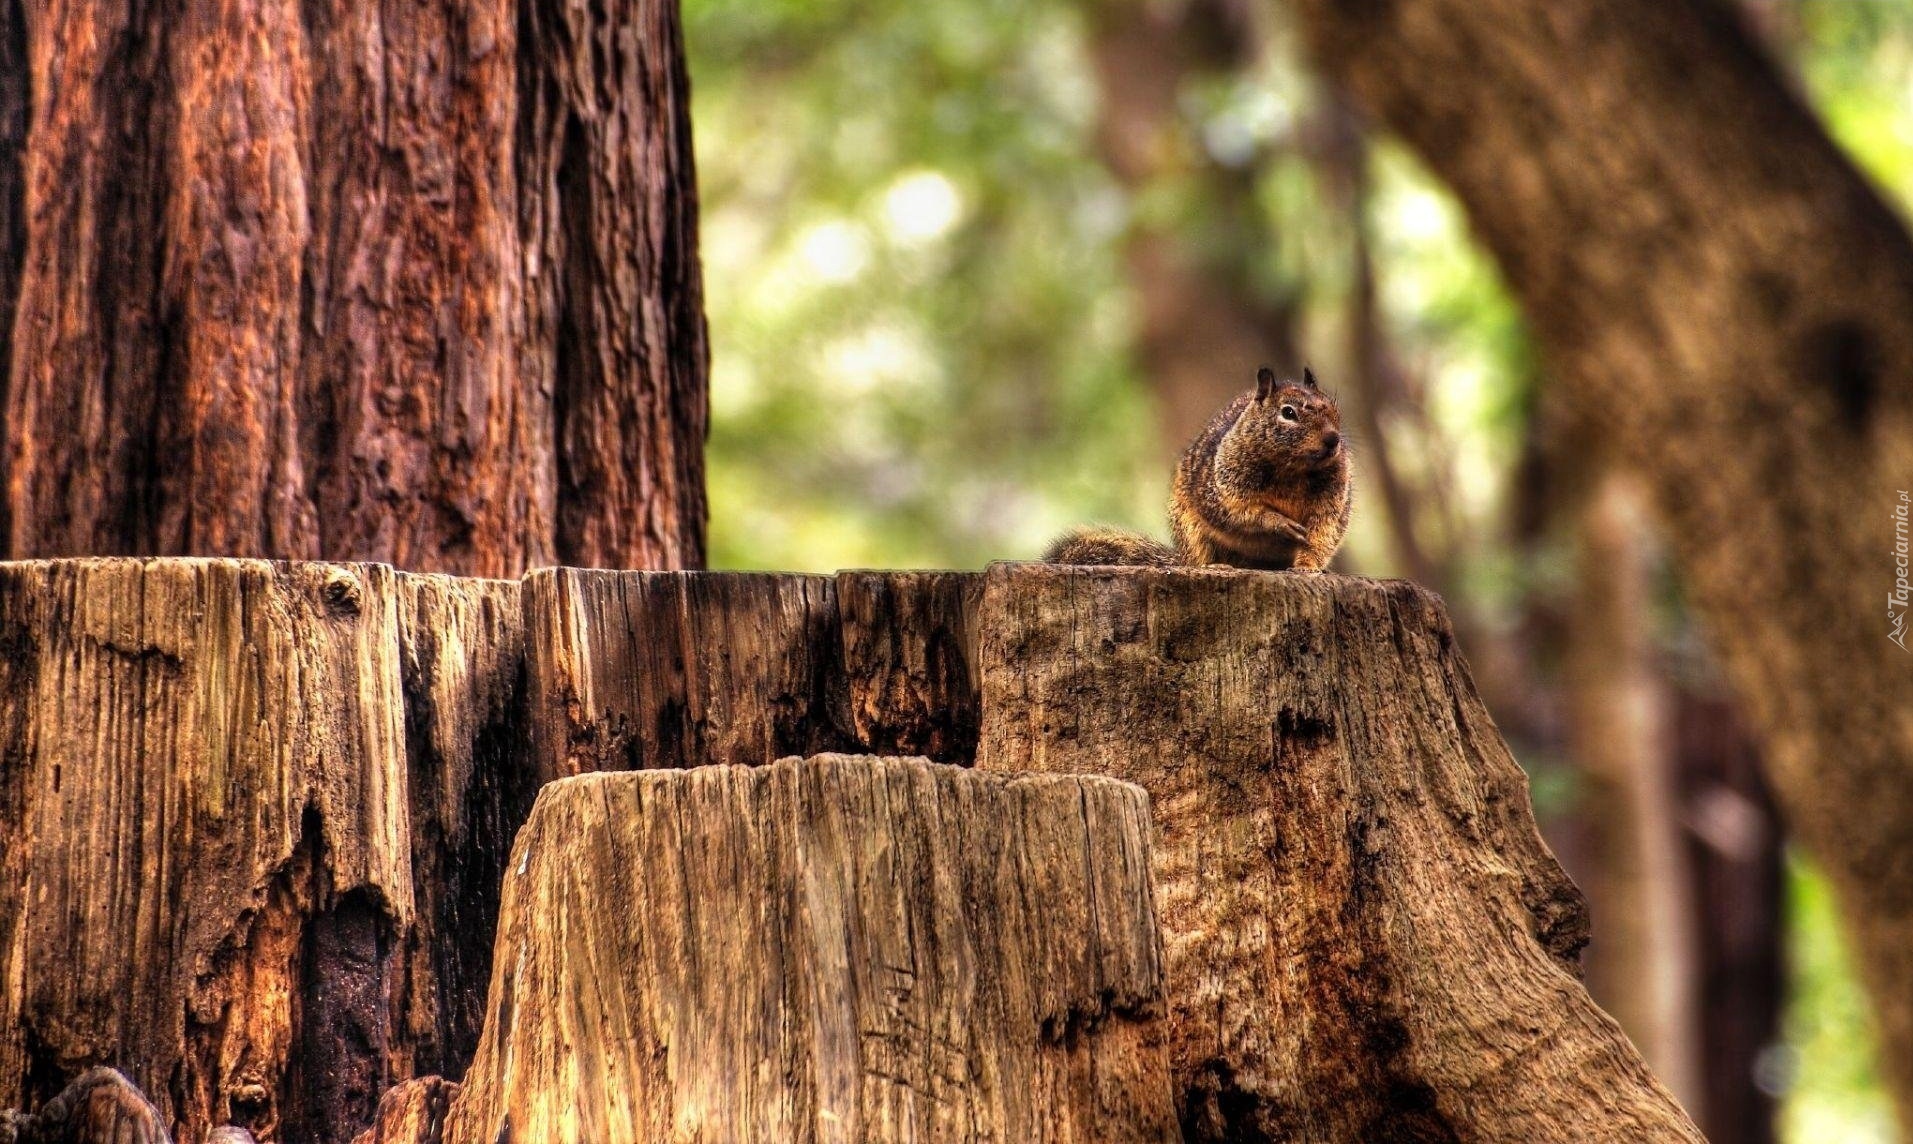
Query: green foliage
{"x":919,"y":339}
{"x":1826,"y":1065}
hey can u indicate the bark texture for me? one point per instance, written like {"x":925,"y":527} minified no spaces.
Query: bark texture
{"x":1366,"y":938}
{"x":247,"y":814}
{"x":316,"y":280}
{"x":837,"y":948}
{"x":1643,"y":964}
{"x":1716,"y":285}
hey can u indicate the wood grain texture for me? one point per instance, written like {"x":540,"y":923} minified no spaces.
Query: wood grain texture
{"x":208,"y":827}
{"x":909,"y":661}
{"x":412,"y":1113}
{"x":1366,"y":938}
{"x":100,"y":1107}
{"x":470,"y":786}
{"x":636,"y":670}
{"x":319,"y":280}
{"x":838,"y":948}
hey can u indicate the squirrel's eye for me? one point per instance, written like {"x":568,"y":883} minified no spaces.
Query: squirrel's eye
{"x":1288,"y":413}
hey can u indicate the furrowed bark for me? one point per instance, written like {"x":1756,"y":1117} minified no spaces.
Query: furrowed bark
{"x":417,"y":285}
{"x":1366,"y":938}
{"x":833,"y":948}
{"x":1715,"y":285}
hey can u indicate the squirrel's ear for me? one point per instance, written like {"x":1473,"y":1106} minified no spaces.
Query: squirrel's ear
{"x":1308,"y":377}
{"x":1264,"y":382}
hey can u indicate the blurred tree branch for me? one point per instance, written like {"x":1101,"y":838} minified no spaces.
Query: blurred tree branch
{"x":1714,"y":282}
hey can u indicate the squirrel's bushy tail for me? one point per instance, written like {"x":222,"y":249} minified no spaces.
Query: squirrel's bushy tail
{"x":1105,"y":546}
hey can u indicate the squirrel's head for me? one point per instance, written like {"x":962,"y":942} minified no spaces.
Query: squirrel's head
{"x":1288,"y":430}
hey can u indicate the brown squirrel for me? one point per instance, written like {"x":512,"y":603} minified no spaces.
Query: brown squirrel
{"x":1267,"y":485}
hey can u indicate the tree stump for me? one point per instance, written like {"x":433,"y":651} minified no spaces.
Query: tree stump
{"x":635,"y":670}
{"x":99,"y":1107}
{"x":247,"y":815}
{"x":837,"y":948}
{"x":252,"y":820}
{"x":1366,"y":938}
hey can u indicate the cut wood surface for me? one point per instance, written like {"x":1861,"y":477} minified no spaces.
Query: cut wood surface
{"x":838,"y":948}
{"x":215,"y":777}
{"x":1366,"y":937}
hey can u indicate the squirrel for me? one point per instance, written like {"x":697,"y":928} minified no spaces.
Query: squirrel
{"x":1268,"y":485}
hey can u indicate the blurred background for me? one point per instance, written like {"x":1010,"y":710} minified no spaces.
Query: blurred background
{"x":977,"y":271}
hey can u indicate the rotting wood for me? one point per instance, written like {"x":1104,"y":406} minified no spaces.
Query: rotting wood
{"x":638,"y":670}
{"x":1366,"y":937}
{"x":909,"y":642}
{"x":215,"y":776}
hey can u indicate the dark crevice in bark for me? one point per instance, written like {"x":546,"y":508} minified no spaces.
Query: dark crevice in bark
{"x":342,"y":1069}
{"x":1844,"y":354}
{"x":575,"y":374}
{"x":459,"y":879}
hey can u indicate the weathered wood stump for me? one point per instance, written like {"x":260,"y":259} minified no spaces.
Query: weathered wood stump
{"x":838,"y":948}
{"x":252,"y":819}
{"x":253,"y":823}
{"x":1366,"y":937}
{"x":99,"y":1107}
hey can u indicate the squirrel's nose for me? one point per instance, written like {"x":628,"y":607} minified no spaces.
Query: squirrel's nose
{"x":1330,"y":439}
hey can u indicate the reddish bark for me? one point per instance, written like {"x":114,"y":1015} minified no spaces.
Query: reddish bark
{"x":415,"y":284}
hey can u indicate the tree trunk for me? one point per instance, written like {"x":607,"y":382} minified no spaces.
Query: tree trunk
{"x":1734,"y":853}
{"x":837,"y":948}
{"x":1642,"y":965}
{"x":1366,"y":937}
{"x":252,"y":821}
{"x":1198,"y":240}
{"x":416,"y":285}
{"x":1715,"y":283}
